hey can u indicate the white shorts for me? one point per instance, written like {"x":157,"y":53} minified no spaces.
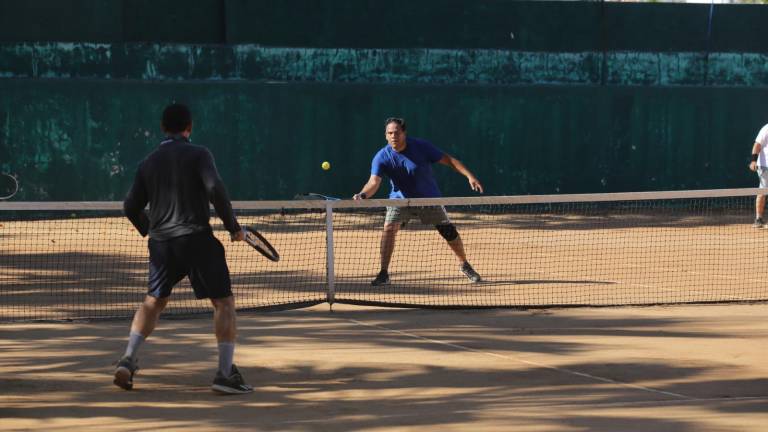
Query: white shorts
{"x":762,"y":173}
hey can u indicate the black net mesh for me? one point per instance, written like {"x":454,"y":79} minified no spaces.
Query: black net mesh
{"x":73,"y":263}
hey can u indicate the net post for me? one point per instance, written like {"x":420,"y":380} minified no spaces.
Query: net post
{"x":329,"y":252}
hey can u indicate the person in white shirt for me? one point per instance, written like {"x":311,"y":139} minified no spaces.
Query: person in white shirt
{"x":759,"y":164}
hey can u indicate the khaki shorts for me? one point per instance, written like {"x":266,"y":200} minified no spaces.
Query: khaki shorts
{"x":434,"y":215}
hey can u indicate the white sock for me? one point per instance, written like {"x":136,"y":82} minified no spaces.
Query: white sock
{"x":226,"y":356}
{"x":134,"y":342}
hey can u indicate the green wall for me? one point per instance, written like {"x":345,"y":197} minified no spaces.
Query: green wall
{"x":187,"y":21}
{"x":586,"y":97}
{"x":82,"y":140}
{"x":368,"y":65}
{"x":555,"y":26}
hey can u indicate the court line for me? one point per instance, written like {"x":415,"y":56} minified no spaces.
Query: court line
{"x":528,"y":362}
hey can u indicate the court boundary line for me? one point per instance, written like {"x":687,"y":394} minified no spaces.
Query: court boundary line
{"x":527,"y":362}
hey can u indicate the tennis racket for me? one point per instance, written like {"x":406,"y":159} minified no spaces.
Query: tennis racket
{"x":314,"y":196}
{"x":8,"y":186}
{"x":255,"y":239}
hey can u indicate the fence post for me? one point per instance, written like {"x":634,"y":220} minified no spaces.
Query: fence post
{"x":329,"y":252}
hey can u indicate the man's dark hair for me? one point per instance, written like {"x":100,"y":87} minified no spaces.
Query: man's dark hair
{"x":176,"y":118}
{"x":398,"y":121}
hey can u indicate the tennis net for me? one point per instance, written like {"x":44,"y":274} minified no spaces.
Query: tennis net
{"x":68,"y":261}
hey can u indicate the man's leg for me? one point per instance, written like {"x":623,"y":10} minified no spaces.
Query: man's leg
{"x":762,"y":174}
{"x":458,"y":249}
{"x":439,"y":218}
{"x":448,"y":231}
{"x":146,"y":317}
{"x":466,"y":268}
{"x":386,"y":248}
{"x":163,"y":275}
{"x":228,"y":378}
{"x":144,"y":322}
{"x":224,"y":317}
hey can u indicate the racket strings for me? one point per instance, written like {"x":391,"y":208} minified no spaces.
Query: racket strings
{"x":255,"y":241}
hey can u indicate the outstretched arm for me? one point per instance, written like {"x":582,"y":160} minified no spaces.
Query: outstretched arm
{"x":369,"y":189}
{"x":459,"y":167}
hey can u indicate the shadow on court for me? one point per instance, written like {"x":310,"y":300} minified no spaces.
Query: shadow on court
{"x":72,"y":285}
{"x":630,"y":369}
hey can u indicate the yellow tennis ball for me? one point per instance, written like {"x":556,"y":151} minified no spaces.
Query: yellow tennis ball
{"x":326,"y":165}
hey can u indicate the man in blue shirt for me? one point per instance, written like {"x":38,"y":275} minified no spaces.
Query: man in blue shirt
{"x":408,"y":164}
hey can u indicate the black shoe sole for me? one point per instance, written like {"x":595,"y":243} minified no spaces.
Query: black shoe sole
{"x":123,"y":378}
{"x":229,"y":390}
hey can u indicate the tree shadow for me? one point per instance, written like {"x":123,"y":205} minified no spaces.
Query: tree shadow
{"x":385,"y":388}
{"x":73,"y":285}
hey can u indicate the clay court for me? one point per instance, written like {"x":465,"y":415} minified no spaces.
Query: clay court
{"x":683,"y":368}
{"x":607,"y":365}
{"x":597,"y":159}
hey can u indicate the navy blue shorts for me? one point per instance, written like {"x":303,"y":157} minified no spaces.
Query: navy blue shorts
{"x":199,"y":256}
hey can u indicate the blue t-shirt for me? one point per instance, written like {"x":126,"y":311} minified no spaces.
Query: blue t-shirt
{"x":410,"y":171}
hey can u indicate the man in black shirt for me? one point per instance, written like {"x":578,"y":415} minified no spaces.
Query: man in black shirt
{"x":178,"y":180}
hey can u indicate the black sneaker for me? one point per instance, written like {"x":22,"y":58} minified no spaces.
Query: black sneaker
{"x":126,"y":368}
{"x":470,"y":273}
{"x":233,"y":384}
{"x":381,"y":279}
{"x":759,"y":223}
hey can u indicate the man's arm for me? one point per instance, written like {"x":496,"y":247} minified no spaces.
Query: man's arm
{"x":459,"y":167}
{"x":369,"y":189}
{"x":755,"y":153}
{"x":217,"y":195}
{"x":134,"y":203}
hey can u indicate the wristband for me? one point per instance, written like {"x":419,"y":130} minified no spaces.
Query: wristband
{"x":363,"y":195}
{"x":754,"y":158}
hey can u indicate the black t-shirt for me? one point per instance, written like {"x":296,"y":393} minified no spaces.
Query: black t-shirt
{"x":178,"y":180}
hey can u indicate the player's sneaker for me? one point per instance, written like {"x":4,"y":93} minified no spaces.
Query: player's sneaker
{"x":381,"y":279}
{"x":233,"y":384}
{"x":126,"y":368}
{"x":470,"y":273}
{"x":759,"y":223}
